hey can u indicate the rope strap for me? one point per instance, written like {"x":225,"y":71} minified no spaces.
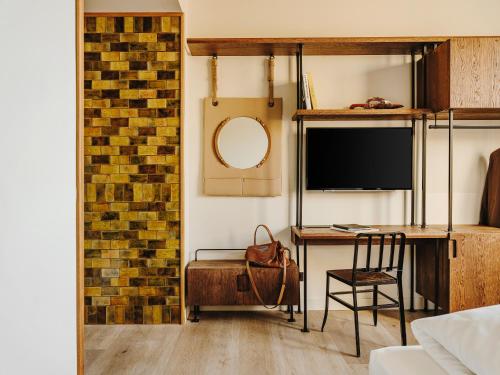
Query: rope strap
{"x":270,"y":79}
{"x":214,"y":80}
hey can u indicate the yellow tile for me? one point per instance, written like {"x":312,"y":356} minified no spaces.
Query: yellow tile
{"x":147,"y":235}
{"x":92,"y":75}
{"x":100,"y":301}
{"x":87,"y":263}
{"x":101,"y":122}
{"x":129,"y":132}
{"x":147,"y":94}
{"x":119,"y":141}
{"x":157,"y":103}
{"x":147,"y":150}
{"x":110,"y":112}
{"x":137,"y":192}
{"x":157,"y":225}
{"x":173,"y":121}
{"x":167,"y":56}
{"x":158,"y":84}
{"x":92,"y":132}
{"x":159,"y":122}
{"x":109,"y":169}
{"x":129,"y":24}
{"x":87,"y":141}
{"x":148,"y":215}
{"x":161,"y":235}
{"x":118,"y":225}
{"x":129,"y":253}
{"x":147,"y":37}
{"x":122,"y":159}
{"x":108,"y":85}
{"x":157,"y":314}
{"x":90,"y":193}
{"x":166,"y":254}
{"x":129,"y":291}
{"x":172,"y":244}
{"x":111,"y":254}
{"x":129,"y":272}
{"x":109,"y":193}
{"x":100,"y":179}
{"x":148,"y":291}
{"x":166,"y":131}
{"x":110,"y":56}
{"x":100,"y":24}
{"x":148,"y":193}
{"x":139,"y":121}
{"x":118,"y":65}
{"x":149,"y":75}
{"x":172,"y":178}
{"x":119,"y":281}
{"x":101,"y":225}
{"x":110,"y":150}
{"x":131,"y":169}
{"x":165,"y":24}
{"x":100,"y":207}
{"x":157,"y":159}
{"x":157,"y":263}
{"x":172,"y":85}
{"x":127,"y":112}
{"x":100,"y":263}
{"x":119,"y":207}
{"x":93,"y":291}
{"x":129,"y":216}
{"x":92,"y":150}
{"x":129,"y":37}
{"x":100,"y":244}
{"x":129,"y":94}
{"x":157,"y":141}
{"x":119,"y":244}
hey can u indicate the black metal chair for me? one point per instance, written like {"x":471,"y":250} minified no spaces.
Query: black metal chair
{"x":371,"y":276}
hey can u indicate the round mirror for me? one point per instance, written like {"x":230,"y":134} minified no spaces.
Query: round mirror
{"x":242,"y":142}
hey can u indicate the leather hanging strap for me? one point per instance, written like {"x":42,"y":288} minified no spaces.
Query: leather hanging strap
{"x":257,"y":294}
{"x":214,"y":80}
{"x":268,"y":232}
{"x":270,"y":79}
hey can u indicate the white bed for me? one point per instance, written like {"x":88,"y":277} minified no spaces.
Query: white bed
{"x":407,"y":360}
{"x":461,"y":343}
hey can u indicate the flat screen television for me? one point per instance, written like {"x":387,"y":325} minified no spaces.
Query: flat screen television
{"x":359,"y":158}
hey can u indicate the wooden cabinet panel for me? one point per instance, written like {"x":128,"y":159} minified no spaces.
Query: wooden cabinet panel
{"x":474,"y":261}
{"x":463,"y":73}
{"x":475,"y":73}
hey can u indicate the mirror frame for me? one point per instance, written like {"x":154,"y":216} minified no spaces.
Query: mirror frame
{"x":216,"y":146}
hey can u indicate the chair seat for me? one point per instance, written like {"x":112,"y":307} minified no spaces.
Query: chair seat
{"x":363,"y":278}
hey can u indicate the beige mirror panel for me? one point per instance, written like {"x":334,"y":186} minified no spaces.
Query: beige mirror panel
{"x":242,"y":140}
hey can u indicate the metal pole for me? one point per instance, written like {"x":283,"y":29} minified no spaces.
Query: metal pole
{"x":450,"y":170}
{"x":305,"y":328}
{"x":301,"y":139}
{"x":424,"y":168}
{"x":413,"y":105}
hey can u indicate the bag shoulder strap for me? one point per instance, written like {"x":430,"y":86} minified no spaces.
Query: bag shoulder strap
{"x":267,"y":230}
{"x":257,"y":294}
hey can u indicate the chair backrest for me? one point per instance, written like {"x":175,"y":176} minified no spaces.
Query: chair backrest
{"x":386,"y":260}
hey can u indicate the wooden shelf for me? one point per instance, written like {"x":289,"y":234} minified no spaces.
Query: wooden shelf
{"x":311,"y":46}
{"x":360,"y":114}
{"x":469,"y":114}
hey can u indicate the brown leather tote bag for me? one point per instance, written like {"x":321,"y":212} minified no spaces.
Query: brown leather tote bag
{"x":272,"y":254}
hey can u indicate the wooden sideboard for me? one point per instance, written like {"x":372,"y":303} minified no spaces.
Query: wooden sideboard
{"x":468,"y":268}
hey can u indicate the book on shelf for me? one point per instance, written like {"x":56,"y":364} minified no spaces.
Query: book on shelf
{"x":354,"y":228}
{"x":307,"y":94}
{"x":312,"y":92}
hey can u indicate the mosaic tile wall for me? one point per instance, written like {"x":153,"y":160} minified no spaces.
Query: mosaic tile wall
{"x":132,"y":149}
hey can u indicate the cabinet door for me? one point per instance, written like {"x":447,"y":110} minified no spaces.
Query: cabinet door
{"x":474,"y":260}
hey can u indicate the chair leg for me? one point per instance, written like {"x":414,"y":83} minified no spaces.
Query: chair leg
{"x":356,"y":320}
{"x":291,"y":319}
{"x":375,"y":301}
{"x":327,"y":298}
{"x":402,"y":322}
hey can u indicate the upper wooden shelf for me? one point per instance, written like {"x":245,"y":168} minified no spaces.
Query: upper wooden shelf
{"x":360,"y":114}
{"x":311,"y":46}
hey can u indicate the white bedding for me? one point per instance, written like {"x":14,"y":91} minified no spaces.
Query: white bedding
{"x":403,"y":360}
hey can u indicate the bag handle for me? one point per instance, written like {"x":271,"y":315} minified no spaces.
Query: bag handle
{"x":268,"y":232}
{"x":257,"y":294}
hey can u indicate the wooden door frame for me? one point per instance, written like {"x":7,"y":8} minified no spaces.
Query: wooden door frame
{"x":79,"y":34}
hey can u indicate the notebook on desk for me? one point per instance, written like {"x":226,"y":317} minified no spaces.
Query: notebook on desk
{"x":354,"y":228}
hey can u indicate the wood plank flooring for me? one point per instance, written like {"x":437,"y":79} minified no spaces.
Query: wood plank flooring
{"x":241,"y":343}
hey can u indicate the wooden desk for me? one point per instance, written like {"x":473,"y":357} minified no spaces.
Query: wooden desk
{"x":315,"y":235}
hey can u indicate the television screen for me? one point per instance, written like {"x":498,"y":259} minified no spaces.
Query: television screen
{"x":359,"y":158}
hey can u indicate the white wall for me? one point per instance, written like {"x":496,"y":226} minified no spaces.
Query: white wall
{"x":339,"y":81}
{"x":132,"y":6}
{"x":37,"y":190}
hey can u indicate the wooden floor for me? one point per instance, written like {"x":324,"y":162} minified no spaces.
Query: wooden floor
{"x":241,"y":343}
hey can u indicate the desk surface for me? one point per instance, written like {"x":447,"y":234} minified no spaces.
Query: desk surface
{"x":327,"y":235}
